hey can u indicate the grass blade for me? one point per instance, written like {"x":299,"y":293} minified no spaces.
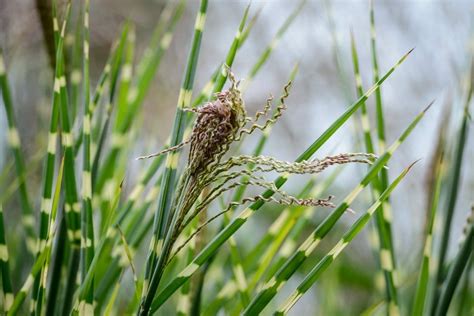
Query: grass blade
{"x":331,"y":256}
{"x":382,"y":216}
{"x":46,"y":202}
{"x":15,"y":144}
{"x":155,"y":262}
{"x":455,"y":272}
{"x":288,"y":269}
{"x":453,"y":192}
{"x":135,"y":97}
{"x":439,"y":171}
{"x":5,"y":269}
{"x":87,"y":229}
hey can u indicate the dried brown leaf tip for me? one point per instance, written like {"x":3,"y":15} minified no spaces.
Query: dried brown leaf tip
{"x":218,"y":125}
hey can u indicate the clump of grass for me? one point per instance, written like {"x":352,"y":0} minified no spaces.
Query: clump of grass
{"x":91,"y":230}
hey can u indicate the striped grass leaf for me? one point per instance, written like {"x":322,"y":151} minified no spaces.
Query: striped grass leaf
{"x":5,"y":268}
{"x":151,"y":59}
{"x":109,"y":308}
{"x":452,"y":194}
{"x":125,"y":83}
{"x":73,"y":70}
{"x":56,"y":31}
{"x":72,"y":201}
{"x":270,"y":288}
{"x":385,"y":210}
{"x":184,"y":299}
{"x":155,"y":263}
{"x":136,"y":94}
{"x":59,"y":242}
{"x":99,"y":132}
{"x":116,"y":53}
{"x":382,"y":216}
{"x":219,"y":76}
{"x":118,"y":140}
{"x":248,"y":28}
{"x":439,"y":172}
{"x":46,"y":202}
{"x":87,"y":227}
{"x":461,"y":261}
{"x":230,"y":229}
{"x":135,"y":230}
{"x":331,"y":256}
{"x":43,"y":256}
{"x":378,"y":93}
{"x":105,"y":241}
{"x":14,"y":142}
{"x":464,"y":303}
{"x":229,"y":60}
{"x":273,"y":44}
{"x":104,"y":248}
{"x":336,"y":48}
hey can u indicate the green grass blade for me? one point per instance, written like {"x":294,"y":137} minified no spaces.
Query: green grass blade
{"x":331,"y":256}
{"x":15,"y":145}
{"x":135,"y":96}
{"x":98,"y":133}
{"x":273,"y":44}
{"x":87,"y":228}
{"x":75,"y":74}
{"x":382,"y":216}
{"x":439,"y":172}
{"x":219,"y":77}
{"x":149,"y":65}
{"x":222,"y":75}
{"x":184,"y":298}
{"x":364,"y":115}
{"x":154,"y":271}
{"x":455,"y":273}
{"x":453,"y":191}
{"x":46,"y":202}
{"x":229,"y":230}
{"x":42,"y":255}
{"x":289,"y":268}
{"x":72,"y":205}
{"x":5,"y":268}
{"x":27,"y":285}
{"x":56,"y":32}
{"x":378,"y":93}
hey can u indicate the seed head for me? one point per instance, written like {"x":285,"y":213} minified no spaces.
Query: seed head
{"x":215,"y":129}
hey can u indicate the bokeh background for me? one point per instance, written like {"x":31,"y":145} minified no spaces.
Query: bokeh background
{"x":319,"y":41}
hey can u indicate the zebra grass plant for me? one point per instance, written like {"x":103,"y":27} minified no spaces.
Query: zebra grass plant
{"x":85,"y":234}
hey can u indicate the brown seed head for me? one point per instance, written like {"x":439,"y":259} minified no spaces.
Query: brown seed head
{"x":216,"y":126}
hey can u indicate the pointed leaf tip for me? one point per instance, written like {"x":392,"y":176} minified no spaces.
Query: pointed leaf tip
{"x":428,"y":107}
{"x":411,"y":165}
